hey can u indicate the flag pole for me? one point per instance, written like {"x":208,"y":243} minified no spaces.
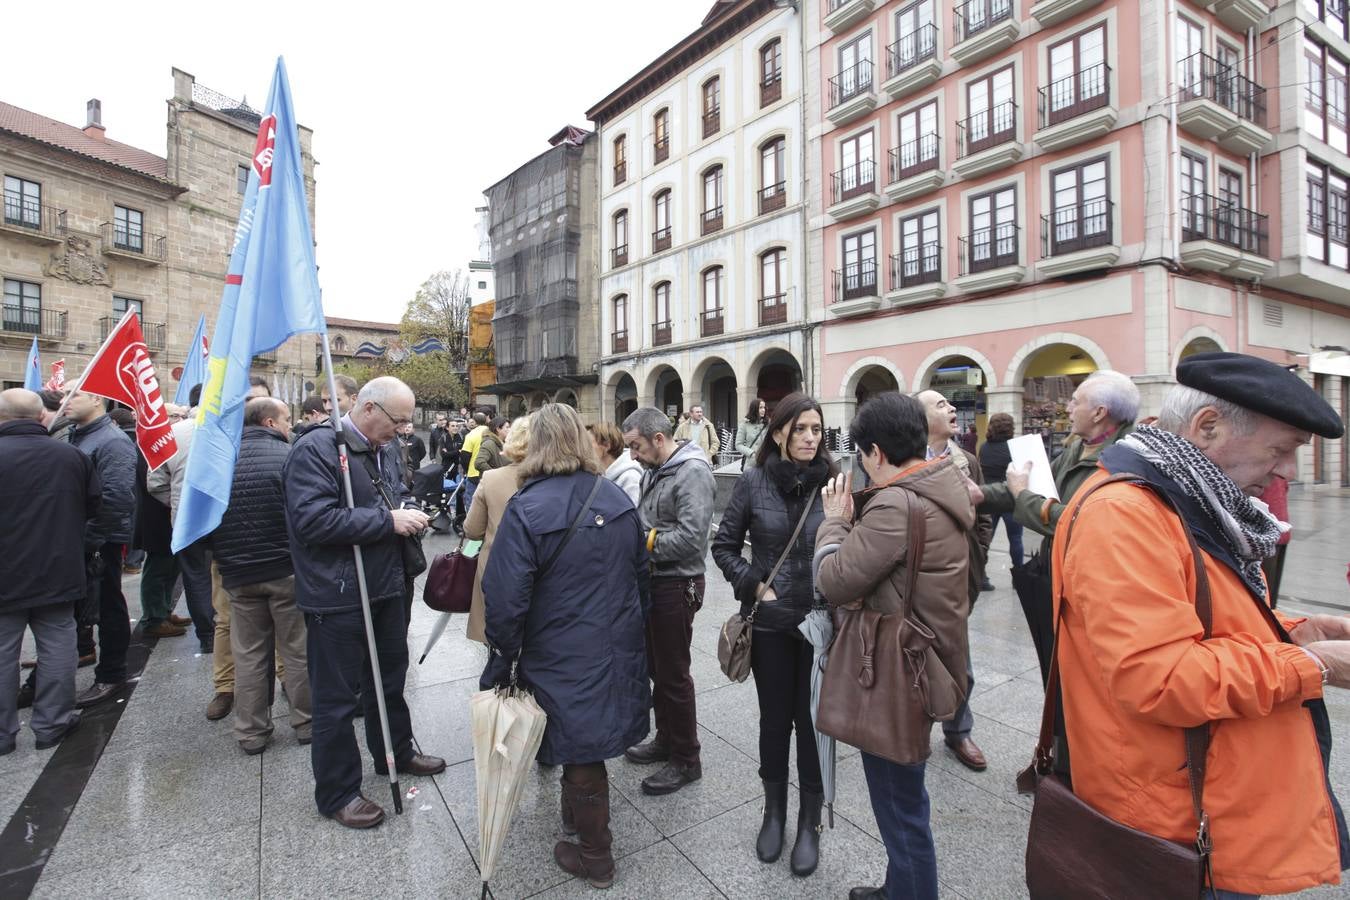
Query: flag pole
{"x":336,"y":418}
{"x":65,"y":401}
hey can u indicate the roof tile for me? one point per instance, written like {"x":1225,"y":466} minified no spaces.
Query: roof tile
{"x":68,"y":137}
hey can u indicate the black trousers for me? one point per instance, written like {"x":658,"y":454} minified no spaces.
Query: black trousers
{"x":339,"y":668}
{"x":781,"y":662}
{"x":114,"y":622}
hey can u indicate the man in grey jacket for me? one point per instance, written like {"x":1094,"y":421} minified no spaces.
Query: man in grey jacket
{"x":676,"y":509}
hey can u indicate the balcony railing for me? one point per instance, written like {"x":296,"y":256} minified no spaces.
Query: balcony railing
{"x":989,"y":248}
{"x":661,"y":149}
{"x":267,"y":358}
{"x":44,"y":220}
{"x":1202,"y":77}
{"x":857,"y":280}
{"x":49,"y":323}
{"x":911,"y":50}
{"x":855,"y":80}
{"x":118,"y":239}
{"x":987,"y":128}
{"x":618,"y":342}
{"x":711,"y":220}
{"x":773,"y":197}
{"x":620,"y":172}
{"x":619,"y":256}
{"x":660,"y":334}
{"x":1075,"y":94}
{"x":771,"y":91}
{"x":773,"y":309}
{"x":153,"y":332}
{"x":850,"y":181}
{"x":711,"y":322}
{"x":661,"y":239}
{"x":975,"y":16}
{"x":1205,"y":217}
{"x":712,"y":122}
{"x":920,"y":264}
{"x":913,"y":157}
{"x":1069,"y":229}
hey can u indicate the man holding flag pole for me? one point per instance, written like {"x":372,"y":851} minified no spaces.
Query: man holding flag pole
{"x":271,"y":293}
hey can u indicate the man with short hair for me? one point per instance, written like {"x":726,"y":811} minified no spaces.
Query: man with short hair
{"x":437,"y":437}
{"x":346,"y":394}
{"x":314,"y":411}
{"x":114,"y":457}
{"x":322,"y":531}
{"x":257,"y":387}
{"x":468,"y":455}
{"x":943,"y":432}
{"x":49,"y":494}
{"x":252,"y":549}
{"x":1136,"y":666}
{"x":700,"y":431}
{"x":675,"y":509}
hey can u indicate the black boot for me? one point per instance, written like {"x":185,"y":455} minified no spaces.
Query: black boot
{"x":770,"y":844}
{"x":806,"y":852}
{"x":28,"y":690}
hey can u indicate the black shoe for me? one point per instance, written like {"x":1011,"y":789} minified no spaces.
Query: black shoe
{"x":806,"y":852}
{"x":671,"y":778}
{"x":95,"y":693}
{"x":867,"y":893}
{"x":769,"y":846}
{"x":986,"y":585}
{"x":646,"y":754}
{"x":28,"y":690}
{"x":49,"y":743}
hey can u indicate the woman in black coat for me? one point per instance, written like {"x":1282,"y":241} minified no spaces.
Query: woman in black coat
{"x":784,"y":484}
{"x":994,"y":459}
{"x":575,"y":628}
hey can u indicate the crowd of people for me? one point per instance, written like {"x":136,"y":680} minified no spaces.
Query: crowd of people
{"x":595,"y":539}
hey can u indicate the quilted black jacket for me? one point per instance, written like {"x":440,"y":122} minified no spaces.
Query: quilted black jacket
{"x":250,"y":545}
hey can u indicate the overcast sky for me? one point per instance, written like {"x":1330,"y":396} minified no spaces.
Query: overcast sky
{"x":416,"y":107}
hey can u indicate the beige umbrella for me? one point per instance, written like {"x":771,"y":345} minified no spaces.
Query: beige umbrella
{"x":508,"y":727}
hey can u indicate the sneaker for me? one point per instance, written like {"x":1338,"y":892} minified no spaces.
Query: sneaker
{"x":671,"y":778}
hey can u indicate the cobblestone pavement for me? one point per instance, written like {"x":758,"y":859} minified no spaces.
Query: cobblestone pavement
{"x":174,"y":809}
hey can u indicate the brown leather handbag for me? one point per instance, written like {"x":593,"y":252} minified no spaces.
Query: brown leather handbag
{"x":1073,"y":851}
{"x":880,"y":667}
{"x":449,"y":586}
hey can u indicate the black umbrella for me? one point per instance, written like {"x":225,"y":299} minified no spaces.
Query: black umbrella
{"x":1035,"y":592}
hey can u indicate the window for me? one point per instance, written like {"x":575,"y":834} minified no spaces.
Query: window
{"x":975,"y":16}
{"x":661,"y":314}
{"x":772,"y":175}
{"x":712,"y":302}
{"x":1324,"y":95}
{"x":858,"y":278}
{"x":620,"y":159}
{"x":918,"y":150}
{"x":859,"y":172}
{"x":1080,"y":209}
{"x":993,"y":230}
{"x":127,"y":231}
{"x":712,"y":106}
{"x":1328,"y":237}
{"x":661,"y":136}
{"x":122,"y":304}
{"x":1190,"y":42}
{"x":712,"y":200}
{"x":661,"y":215}
{"x":1078,"y":76}
{"x":855,"y":70}
{"x":916,"y":36}
{"x":1332,"y":13}
{"x":993,"y":112}
{"x":482,"y":285}
{"x":23,"y":306}
{"x":920,"y":260}
{"x":241,"y":179}
{"x":339,"y":343}
{"x":1194,"y":190}
{"x":773,"y":287}
{"x":620,"y":251}
{"x":619,"y":339}
{"x":23,"y":202}
{"x":771,"y":72}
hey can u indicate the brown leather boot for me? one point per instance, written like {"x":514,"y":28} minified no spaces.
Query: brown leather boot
{"x":569,"y":825}
{"x":591,"y":858}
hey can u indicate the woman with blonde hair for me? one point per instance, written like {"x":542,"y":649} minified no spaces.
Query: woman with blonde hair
{"x":566,"y":603}
{"x":485,"y":513}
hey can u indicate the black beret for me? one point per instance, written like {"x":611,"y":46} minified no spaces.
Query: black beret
{"x":1261,"y":386}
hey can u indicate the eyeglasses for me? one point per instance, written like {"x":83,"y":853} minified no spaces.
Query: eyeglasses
{"x":398,"y":423}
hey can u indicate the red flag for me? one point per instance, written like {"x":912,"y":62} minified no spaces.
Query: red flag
{"x":58,"y":380}
{"x":122,"y":370}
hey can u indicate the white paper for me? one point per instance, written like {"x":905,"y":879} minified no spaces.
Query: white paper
{"x":1029,"y":448}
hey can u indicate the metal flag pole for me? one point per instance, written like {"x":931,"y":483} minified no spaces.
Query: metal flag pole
{"x":336,"y":418}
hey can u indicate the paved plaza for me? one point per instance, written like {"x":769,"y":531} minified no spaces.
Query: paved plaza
{"x":174,"y":809}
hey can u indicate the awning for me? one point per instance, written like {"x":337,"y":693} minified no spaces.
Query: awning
{"x":547,"y":384}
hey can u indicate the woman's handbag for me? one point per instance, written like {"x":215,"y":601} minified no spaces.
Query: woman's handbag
{"x":733,"y":644}
{"x":449,"y":587}
{"x":1075,"y":851}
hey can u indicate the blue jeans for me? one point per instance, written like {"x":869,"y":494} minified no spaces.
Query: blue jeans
{"x":1014,"y":529}
{"x":194,"y":561}
{"x":900,"y":804}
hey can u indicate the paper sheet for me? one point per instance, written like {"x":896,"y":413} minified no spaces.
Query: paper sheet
{"x":1030,"y":448}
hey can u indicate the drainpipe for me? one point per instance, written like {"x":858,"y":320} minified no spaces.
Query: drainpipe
{"x":808,"y":329}
{"x":1174,"y":147}
{"x":1253,"y":196}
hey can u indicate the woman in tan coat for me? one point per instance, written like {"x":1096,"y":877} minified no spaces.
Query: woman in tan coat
{"x":485,"y":513}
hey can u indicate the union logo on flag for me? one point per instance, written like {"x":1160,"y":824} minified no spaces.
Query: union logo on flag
{"x":264,"y":150}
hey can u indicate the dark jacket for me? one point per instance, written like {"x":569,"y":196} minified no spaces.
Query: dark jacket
{"x":322,"y":529}
{"x":436,"y":438}
{"x":114,"y":456}
{"x":301,"y":429}
{"x":48,"y":492}
{"x":489,"y":454}
{"x":142,"y":494}
{"x":450,"y":447}
{"x":994,"y":459}
{"x":767,"y":503}
{"x":677,"y":500}
{"x":250,"y":543}
{"x":414,"y":451}
{"x":578,"y":631}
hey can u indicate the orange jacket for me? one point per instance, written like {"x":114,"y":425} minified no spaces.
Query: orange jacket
{"x":1136,"y":673}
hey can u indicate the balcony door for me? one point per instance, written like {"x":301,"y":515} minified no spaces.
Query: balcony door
{"x":858,"y":173}
{"x":992,"y":111}
{"x":1228,"y":215}
{"x":23,"y":202}
{"x":1081,"y":216}
{"x":993,"y":229}
{"x":855,"y":67}
{"x":1078,"y":81}
{"x":1194,"y":188}
{"x":920,"y":250}
{"x":860,"y":264}
{"x":918,"y":140}
{"x":1190,"y":41}
{"x":915,"y":34}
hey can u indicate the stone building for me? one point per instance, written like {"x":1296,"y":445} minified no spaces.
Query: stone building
{"x":92,"y":227}
{"x":357,"y":341}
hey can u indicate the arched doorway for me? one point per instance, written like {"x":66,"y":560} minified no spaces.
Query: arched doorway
{"x":961,"y":380}
{"x":1051,"y":376}
{"x":566,"y":396}
{"x":625,"y":398}
{"x":872,"y":381}
{"x":1200,"y":345}
{"x":717,"y":382}
{"x":515,"y":406}
{"x":669,"y":394}
{"x":537,"y":399}
{"x":777,"y":374}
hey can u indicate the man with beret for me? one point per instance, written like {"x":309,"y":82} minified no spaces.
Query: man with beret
{"x":1136,"y":668}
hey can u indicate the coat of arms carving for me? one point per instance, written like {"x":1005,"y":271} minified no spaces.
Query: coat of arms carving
{"x":76,"y":262}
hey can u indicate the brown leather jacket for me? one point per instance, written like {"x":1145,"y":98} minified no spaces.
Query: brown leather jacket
{"x":870,"y":566}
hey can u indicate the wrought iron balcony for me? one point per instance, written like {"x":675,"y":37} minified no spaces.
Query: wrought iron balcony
{"x":773,"y":309}
{"x":975,"y":16}
{"x":911,"y":50}
{"x":987,"y":128}
{"x":773,"y":197}
{"x":1205,"y":217}
{"x":1202,"y":77}
{"x":661,"y":149}
{"x":132,"y":243}
{"x":39,"y":221}
{"x":711,"y":322}
{"x":771,"y":89}
{"x":43,"y":323}
{"x":711,"y":220}
{"x":619,"y":256}
{"x":661,"y":239}
{"x":712,"y":122}
{"x":660,"y":334}
{"x":619,"y":342}
{"x":268,"y":358}
{"x":153,"y":332}
{"x":850,"y":83}
{"x":920,"y":264}
{"x":851,"y":181}
{"x":857,"y":280}
{"x":1075,"y":94}
{"x":1082,"y":226}
{"x":989,"y":248}
{"x":914,"y":157}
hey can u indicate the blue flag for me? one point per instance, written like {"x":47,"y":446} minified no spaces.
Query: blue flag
{"x":194,"y":365}
{"x":32,"y":372}
{"x":271,"y":293}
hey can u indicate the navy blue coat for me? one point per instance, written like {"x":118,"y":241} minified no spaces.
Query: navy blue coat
{"x":322,"y":529}
{"x":579,"y":631}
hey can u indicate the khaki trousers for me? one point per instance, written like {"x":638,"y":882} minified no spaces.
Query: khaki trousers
{"x":266,"y":617}
{"x":221,"y":652}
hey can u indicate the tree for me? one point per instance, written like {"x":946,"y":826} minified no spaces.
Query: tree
{"x":430,"y":377}
{"x":440,"y":311}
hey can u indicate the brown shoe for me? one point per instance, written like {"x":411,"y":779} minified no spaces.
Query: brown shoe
{"x":968,"y":753}
{"x":179,"y":620}
{"x":360,"y":813}
{"x":220,"y":705}
{"x":164,"y":629}
{"x":420,"y":764}
{"x":591,"y":857}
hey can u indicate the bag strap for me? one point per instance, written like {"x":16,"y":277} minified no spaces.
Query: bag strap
{"x":572,"y":529}
{"x":371,"y":469}
{"x":1197,"y":737}
{"x":782,"y":558}
{"x":918,"y":536}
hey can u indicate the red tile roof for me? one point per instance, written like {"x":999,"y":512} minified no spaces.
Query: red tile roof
{"x":335,"y":322}
{"x":68,"y":137}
